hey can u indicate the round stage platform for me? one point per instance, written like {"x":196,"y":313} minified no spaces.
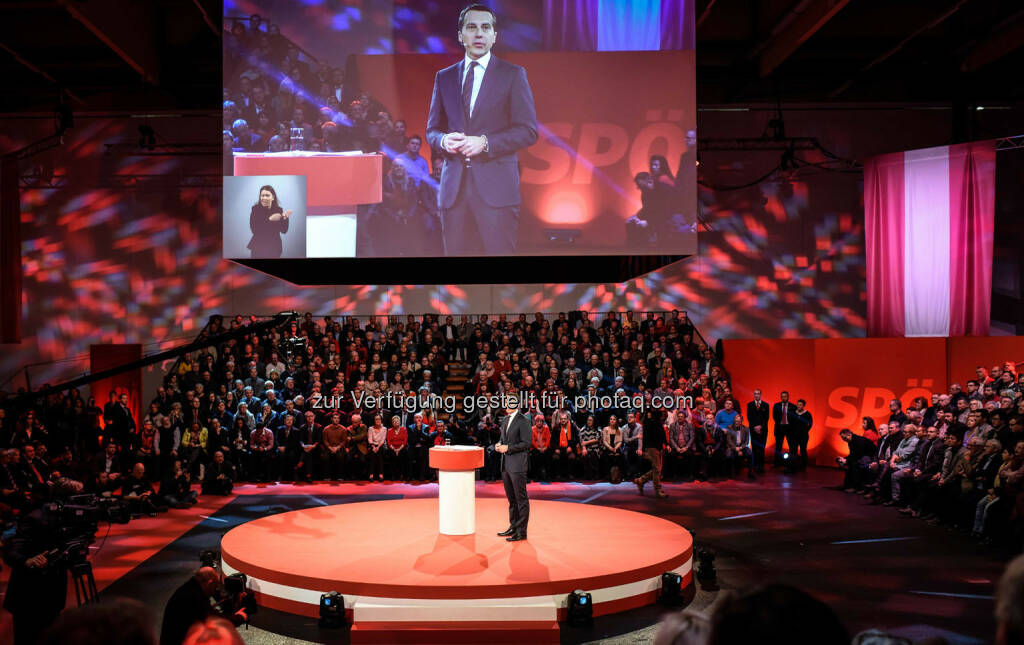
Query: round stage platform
{"x":394,"y":569}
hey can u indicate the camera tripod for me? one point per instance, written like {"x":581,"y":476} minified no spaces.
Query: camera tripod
{"x":85,"y":583}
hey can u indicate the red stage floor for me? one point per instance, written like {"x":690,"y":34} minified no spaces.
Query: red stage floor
{"x":391,"y":564}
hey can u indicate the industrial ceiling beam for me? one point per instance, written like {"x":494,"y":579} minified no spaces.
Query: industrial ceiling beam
{"x":127,"y":27}
{"x":1002,"y":42}
{"x":931,"y":24}
{"x":799,"y":30}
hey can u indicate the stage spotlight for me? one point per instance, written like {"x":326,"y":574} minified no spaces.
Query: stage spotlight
{"x":706,"y":574}
{"x":209,"y":558}
{"x":580,"y":609}
{"x":562,"y":235}
{"x":671,"y":589}
{"x":332,"y":609}
{"x":785,"y":456}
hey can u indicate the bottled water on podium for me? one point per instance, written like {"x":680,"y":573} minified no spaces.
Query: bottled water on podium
{"x":298,"y":141}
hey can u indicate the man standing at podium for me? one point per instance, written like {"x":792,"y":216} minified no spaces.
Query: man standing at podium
{"x":481,"y":115}
{"x":514,"y":446}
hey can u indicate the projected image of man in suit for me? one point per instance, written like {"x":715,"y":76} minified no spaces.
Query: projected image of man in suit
{"x":514,"y":446}
{"x":481,"y":115}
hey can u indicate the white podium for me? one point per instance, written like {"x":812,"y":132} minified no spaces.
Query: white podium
{"x":456,"y":479}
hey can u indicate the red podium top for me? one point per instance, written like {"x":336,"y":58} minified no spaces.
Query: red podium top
{"x":332,"y":179}
{"x":456,"y":457}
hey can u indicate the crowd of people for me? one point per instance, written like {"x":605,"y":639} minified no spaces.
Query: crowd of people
{"x":296,"y":404}
{"x":956,"y":460}
{"x":622,"y":398}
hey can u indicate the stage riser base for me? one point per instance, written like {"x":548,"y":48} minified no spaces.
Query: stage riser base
{"x":481,"y":633}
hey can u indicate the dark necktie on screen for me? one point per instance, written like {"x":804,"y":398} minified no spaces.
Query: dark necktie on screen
{"x":785,"y":415}
{"x":467,"y":90}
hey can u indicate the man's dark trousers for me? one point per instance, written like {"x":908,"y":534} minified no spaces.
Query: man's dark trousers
{"x":471,"y":227}
{"x":518,"y":502}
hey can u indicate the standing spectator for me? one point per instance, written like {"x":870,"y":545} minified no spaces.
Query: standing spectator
{"x":782,"y":415}
{"x":653,"y":440}
{"x":757,"y":416}
{"x":120,"y":422}
{"x":801,"y":431}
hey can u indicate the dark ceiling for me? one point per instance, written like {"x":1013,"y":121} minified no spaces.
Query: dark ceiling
{"x":122,"y":55}
{"x":110,"y":55}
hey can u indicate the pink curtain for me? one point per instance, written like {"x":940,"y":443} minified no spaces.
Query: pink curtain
{"x":972,"y":173}
{"x":883,"y":215}
{"x":929,"y":220}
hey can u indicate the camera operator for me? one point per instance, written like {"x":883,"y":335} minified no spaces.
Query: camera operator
{"x":38,"y":586}
{"x":190,"y":604}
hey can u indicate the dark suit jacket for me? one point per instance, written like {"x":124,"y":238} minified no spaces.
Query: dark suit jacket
{"x":518,"y":437}
{"x":304,"y":434}
{"x":503,"y":112}
{"x":860,"y":447}
{"x":292,"y":441}
{"x":777,"y":412}
{"x":757,"y":415}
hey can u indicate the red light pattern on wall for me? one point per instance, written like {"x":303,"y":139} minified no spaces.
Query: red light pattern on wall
{"x":107,"y":265}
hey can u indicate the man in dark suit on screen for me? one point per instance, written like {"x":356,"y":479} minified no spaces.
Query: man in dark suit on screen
{"x":481,"y":115}
{"x":514,"y":446}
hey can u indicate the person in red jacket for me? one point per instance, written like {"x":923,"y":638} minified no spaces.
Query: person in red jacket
{"x":397,"y":455}
{"x":540,"y":450}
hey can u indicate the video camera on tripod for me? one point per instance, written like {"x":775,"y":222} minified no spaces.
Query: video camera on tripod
{"x":74,"y":524}
{"x":296,"y":345}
